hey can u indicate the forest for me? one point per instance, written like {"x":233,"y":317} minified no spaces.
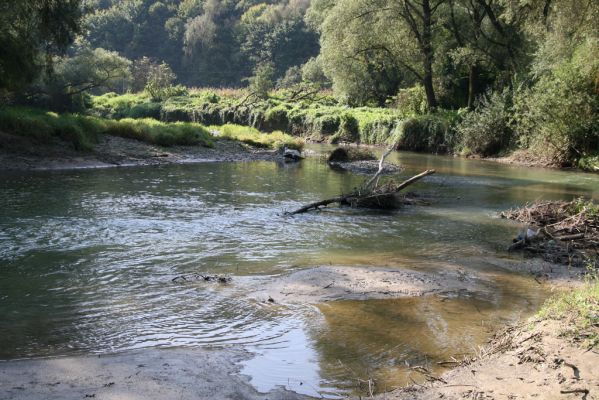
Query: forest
{"x":469,"y":77}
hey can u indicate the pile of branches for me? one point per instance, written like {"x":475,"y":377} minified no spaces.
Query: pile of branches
{"x":559,"y":231}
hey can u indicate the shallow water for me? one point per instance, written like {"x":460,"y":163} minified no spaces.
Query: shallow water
{"x":87,"y":260}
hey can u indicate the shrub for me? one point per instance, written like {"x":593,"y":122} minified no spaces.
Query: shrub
{"x":349,"y":130}
{"x":276,"y":118}
{"x":82,"y":131}
{"x":488,"y":129}
{"x":559,"y":115}
{"x":160,"y":133}
{"x":44,"y":126}
{"x":410,"y":101}
{"x":263,"y":80}
{"x":431,"y":133}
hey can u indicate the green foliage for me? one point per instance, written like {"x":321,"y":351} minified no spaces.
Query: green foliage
{"x":589,"y":162}
{"x":433,"y":133}
{"x":253,"y":137}
{"x":349,"y":129}
{"x":44,"y":126}
{"x":159,"y":83}
{"x":580,"y":307}
{"x":68,"y":88}
{"x":82,"y":131}
{"x":31,"y":31}
{"x":160,"y":133}
{"x":409,"y":101}
{"x":488,"y":129}
{"x":559,"y":115}
{"x":588,"y":206}
{"x":262,"y":82}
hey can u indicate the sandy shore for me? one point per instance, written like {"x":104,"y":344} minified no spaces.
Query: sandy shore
{"x":19,"y":153}
{"x":519,"y":363}
{"x":202,"y":373}
{"x":145,"y":374}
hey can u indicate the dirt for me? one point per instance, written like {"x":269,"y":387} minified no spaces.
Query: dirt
{"x":20,"y":153}
{"x":528,"y":361}
{"x":145,"y":374}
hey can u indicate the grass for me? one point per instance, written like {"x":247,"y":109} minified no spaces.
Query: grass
{"x":321,"y":119}
{"x":589,"y":163}
{"x":580,"y":309}
{"x":161,"y":133}
{"x":83,"y":131}
{"x":253,"y":137}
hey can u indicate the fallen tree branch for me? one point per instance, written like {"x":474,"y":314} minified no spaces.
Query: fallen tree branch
{"x":361,"y":196}
{"x":381,"y":168}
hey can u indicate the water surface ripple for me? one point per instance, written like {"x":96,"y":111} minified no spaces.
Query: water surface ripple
{"x":87,"y":259}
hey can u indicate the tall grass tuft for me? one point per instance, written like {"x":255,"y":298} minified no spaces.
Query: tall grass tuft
{"x":253,"y":137}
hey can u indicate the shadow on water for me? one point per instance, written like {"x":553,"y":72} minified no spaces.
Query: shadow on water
{"x":87,"y":260}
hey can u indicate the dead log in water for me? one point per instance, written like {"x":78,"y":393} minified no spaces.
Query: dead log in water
{"x":367,"y":196}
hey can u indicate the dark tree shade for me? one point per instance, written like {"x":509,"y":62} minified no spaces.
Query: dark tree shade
{"x":31,"y":31}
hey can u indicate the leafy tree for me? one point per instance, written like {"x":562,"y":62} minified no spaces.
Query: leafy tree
{"x":73,"y":78}
{"x":31,"y":32}
{"x":262,"y":82}
{"x":384,"y":44}
{"x":159,"y":81}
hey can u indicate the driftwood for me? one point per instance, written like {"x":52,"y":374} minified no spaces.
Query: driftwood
{"x":562,"y":231}
{"x":365,"y":197}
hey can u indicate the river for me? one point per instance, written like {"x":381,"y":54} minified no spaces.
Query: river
{"x":87,"y":259}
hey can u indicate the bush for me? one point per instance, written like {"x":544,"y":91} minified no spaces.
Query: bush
{"x":349,"y":130}
{"x":263,"y":80}
{"x":410,"y":101}
{"x":434,"y":133}
{"x":276,"y":118}
{"x":488,"y":129}
{"x":559,"y":115}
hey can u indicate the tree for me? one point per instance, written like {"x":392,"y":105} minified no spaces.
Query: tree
{"x":73,"y":78}
{"x":31,"y":32}
{"x":385,"y":41}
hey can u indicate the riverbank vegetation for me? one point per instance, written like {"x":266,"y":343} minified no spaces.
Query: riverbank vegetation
{"x":82,"y":131}
{"x":580,"y":307}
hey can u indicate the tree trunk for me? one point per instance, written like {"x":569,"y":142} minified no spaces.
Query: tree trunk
{"x":472,"y":86}
{"x":428,"y":53}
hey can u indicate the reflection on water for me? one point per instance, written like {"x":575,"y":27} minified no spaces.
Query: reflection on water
{"x":381,"y":339}
{"x":87,"y":259}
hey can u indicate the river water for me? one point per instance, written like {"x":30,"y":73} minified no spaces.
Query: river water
{"x":87,"y":259}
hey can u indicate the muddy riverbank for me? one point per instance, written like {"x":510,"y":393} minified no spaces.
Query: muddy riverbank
{"x":21,"y":153}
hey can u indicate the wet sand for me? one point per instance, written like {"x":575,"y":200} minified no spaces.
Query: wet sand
{"x":143,"y":374}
